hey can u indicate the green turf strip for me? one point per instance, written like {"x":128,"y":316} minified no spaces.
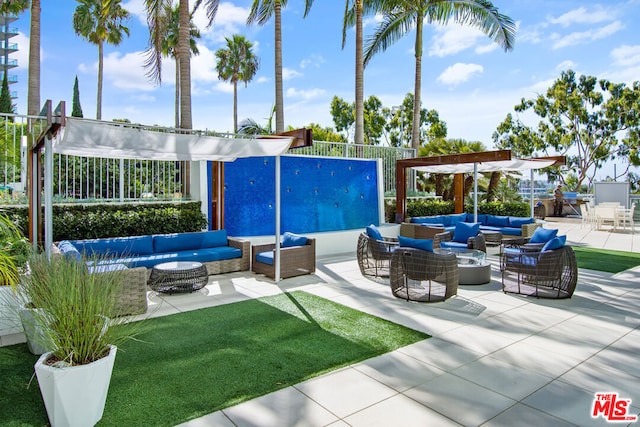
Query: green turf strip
{"x":605,"y":260}
{"x":194,"y":363}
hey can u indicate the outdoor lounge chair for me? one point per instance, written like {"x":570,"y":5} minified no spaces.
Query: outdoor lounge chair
{"x":445,"y":240}
{"x":542,"y":273}
{"x":295,"y":260}
{"x":419,"y":275}
{"x":374,"y":255}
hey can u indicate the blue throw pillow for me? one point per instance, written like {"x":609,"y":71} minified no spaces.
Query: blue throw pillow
{"x":373,"y":232}
{"x":464,"y":230}
{"x":555,"y":243}
{"x":289,"y":240}
{"x":424,"y":244}
{"x":517,"y":221}
{"x":543,"y":235}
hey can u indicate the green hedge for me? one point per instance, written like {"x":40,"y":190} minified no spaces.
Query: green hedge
{"x":439,"y":207}
{"x":94,"y":221}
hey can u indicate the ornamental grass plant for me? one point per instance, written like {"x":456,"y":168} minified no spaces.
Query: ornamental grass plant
{"x":76,"y":309}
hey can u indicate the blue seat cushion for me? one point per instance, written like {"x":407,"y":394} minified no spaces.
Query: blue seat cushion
{"x":184,"y":241}
{"x":518,"y":221}
{"x":452,"y":244}
{"x":69,"y":251}
{"x":555,"y":243}
{"x":498,"y":220}
{"x":200,"y":255}
{"x":265,"y":257}
{"x":373,"y":232}
{"x":512,"y":231}
{"x":437,"y":220}
{"x":105,"y":268}
{"x":424,"y":244}
{"x":115,"y":247}
{"x":543,"y":235}
{"x":465,"y":230}
{"x":452,"y":220}
{"x":289,"y":240}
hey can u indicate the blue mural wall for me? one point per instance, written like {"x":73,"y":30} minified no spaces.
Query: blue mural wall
{"x":317,"y":194}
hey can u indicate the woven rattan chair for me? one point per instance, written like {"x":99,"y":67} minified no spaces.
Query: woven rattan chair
{"x":418,"y":275}
{"x":542,"y":274}
{"x":294,"y":260}
{"x":374,"y":255}
{"x":476,"y":242}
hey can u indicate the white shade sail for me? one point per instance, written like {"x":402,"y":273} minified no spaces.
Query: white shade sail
{"x":80,"y":137}
{"x":498,"y":165}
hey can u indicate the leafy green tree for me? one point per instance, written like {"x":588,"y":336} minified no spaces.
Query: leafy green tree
{"x":401,"y":17}
{"x":342,"y":113}
{"x":76,"y":109}
{"x":6,"y":105}
{"x":100,"y":22}
{"x":400,"y":123}
{"x":588,"y":120}
{"x":261,"y":12}
{"x":237,"y":63}
{"x":168,"y":30}
{"x":325,"y":133}
{"x":374,"y":120}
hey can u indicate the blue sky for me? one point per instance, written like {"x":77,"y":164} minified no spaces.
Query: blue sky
{"x":468,"y":79}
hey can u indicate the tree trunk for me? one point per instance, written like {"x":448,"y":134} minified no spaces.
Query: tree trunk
{"x":493,"y":185}
{"x":33,"y":95}
{"x":100,"y":71}
{"x":184,"y":54}
{"x":359,"y":134}
{"x":177,"y":100}
{"x":235,"y":107}
{"x":278,"y":60}
{"x":415,"y":131}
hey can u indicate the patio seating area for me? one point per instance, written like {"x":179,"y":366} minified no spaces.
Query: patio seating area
{"x":494,"y":359}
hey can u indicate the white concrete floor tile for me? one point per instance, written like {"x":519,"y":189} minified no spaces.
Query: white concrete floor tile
{"x":398,"y":370}
{"x":398,"y":411}
{"x":439,"y":353}
{"x":595,"y":377}
{"x":284,"y":408}
{"x":460,"y":400}
{"x":346,"y":391}
{"x":215,"y":419}
{"x":478,"y":339}
{"x":522,"y":415}
{"x":537,"y":359}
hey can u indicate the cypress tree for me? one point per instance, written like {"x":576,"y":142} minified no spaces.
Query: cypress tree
{"x":76,"y":110}
{"x":6,"y":106}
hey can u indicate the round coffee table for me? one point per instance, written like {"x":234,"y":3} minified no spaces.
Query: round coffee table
{"x":178,"y":276}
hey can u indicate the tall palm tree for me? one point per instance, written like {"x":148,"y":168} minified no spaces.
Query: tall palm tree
{"x":156,"y":24}
{"x":261,"y":12}
{"x":402,"y":16}
{"x":168,"y":36}
{"x":100,"y":21}
{"x":353,"y":15}
{"x":237,"y":63}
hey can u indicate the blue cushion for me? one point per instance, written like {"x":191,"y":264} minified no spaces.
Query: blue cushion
{"x":439,"y":219}
{"x":555,"y":243}
{"x":456,"y":218}
{"x":424,"y":244}
{"x":498,"y":220}
{"x":518,"y":221}
{"x":185,"y":241}
{"x":200,"y":255}
{"x":265,"y":257}
{"x":289,"y":240}
{"x":464,"y":230}
{"x":69,"y":251}
{"x":105,"y":268}
{"x":445,"y":245}
{"x":115,"y":247}
{"x":543,"y":235}
{"x":511,"y":231}
{"x":373,"y":232}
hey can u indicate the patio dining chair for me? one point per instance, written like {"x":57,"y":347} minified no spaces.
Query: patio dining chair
{"x":374,"y":255}
{"x":624,"y":217}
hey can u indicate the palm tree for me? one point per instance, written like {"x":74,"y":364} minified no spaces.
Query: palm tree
{"x":402,"y":16}
{"x":237,"y":63}
{"x":100,"y":21}
{"x":353,"y":14}
{"x":169,"y":48}
{"x":261,"y":12}
{"x":156,"y":25}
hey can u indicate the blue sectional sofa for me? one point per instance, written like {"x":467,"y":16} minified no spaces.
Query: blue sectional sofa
{"x":218,"y":252}
{"x":507,"y":225}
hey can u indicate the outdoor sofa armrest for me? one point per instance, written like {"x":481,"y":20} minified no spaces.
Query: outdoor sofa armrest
{"x":528,"y":229}
{"x":245,"y":247}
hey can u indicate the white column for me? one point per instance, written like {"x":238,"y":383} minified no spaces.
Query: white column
{"x":277,"y":183}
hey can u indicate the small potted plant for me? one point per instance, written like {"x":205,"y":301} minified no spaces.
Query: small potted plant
{"x":77,"y":318}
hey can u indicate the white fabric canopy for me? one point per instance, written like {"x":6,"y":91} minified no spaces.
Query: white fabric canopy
{"x":89,"y":138}
{"x":498,"y":165}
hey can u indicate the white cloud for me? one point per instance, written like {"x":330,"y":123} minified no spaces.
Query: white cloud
{"x":203,"y":66}
{"x":123,"y":71}
{"x":289,"y":73}
{"x":583,"y":16}
{"x":453,"y":38}
{"x":136,"y":9}
{"x":144,"y":97}
{"x":224,"y":87}
{"x":486,"y":48}
{"x":22,"y":55}
{"x":626,"y":55}
{"x":263,"y":79}
{"x":459,"y":73}
{"x":586,"y":36}
{"x":305,"y":94}
{"x":566,"y":65}
{"x":230,"y":19}
{"x":314,"y":60}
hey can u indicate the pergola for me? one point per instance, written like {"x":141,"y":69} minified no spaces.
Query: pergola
{"x":458,"y":164}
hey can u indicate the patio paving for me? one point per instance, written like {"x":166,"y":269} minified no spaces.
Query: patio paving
{"x":494,"y":359}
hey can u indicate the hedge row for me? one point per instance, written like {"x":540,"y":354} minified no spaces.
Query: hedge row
{"x":439,"y":207}
{"x":93,"y":221}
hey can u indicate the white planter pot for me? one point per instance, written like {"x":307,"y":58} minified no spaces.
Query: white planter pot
{"x":9,"y":320}
{"x":36,"y":339}
{"x":75,"y":395}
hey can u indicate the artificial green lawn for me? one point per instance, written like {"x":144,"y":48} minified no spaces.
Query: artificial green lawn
{"x":605,"y":260}
{"x":198,"y":362}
